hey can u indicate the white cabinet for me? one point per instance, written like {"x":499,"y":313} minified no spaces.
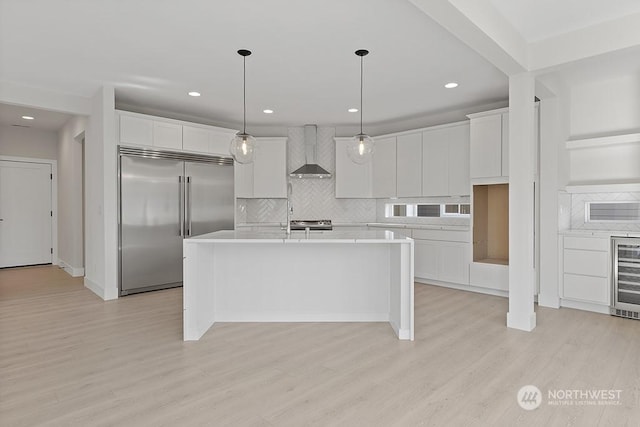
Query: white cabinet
{"x":435,"y":162}
{"x":441,"y":255}
{"x":488,"y":146}
{"x":459,"y":182}
{"x":445,"y":161}
{"x":384,"y":168}
{"x":352,"y":180}
{"x":266,"y":176}
{"x":489,"y":276}
{"x":505,"y":144}
{"x":409,"y":165}
{"x":136,"y":130}
{"x":586,"y":270}
{"x":195,"y":139}
{"x":167,"y":135}
{"x":162,"y":133}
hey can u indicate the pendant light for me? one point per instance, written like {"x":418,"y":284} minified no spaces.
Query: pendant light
{"x":243,"y":144}
{"x":360,"y":148}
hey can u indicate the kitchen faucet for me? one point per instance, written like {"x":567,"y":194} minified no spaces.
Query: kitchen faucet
{"x":289,"y":206}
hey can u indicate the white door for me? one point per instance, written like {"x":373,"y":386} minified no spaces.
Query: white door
{"x":25,"y":213}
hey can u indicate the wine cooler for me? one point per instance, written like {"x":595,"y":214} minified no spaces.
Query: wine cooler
{"x":626,"y":277}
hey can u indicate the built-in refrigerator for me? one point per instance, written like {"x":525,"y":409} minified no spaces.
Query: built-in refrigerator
{"x":165,"y":197}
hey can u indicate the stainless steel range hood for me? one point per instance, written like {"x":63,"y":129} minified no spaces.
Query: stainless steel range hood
{"x":310,"y":169}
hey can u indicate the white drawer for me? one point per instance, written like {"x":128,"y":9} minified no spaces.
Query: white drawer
{"x":587,"y":263}
{"x":587,"y":243}
{"x":586,"y":288}
{"x":443,"y":235}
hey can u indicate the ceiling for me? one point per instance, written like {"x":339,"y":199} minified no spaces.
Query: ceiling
{"x":11,"y":115}
{"x":542,"y":19}
{"x":303,"y":64}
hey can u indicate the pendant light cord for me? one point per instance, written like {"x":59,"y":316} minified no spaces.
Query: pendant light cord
{"x":361,"y":59}
{"x":244,"y":94}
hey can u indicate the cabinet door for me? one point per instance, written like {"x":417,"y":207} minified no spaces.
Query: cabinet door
{"x":195,"y":139}
{"x":352,"y":180}
{"x":270,"y":168}
{"x":435,"y":162}
{"x":453,"y":264}
{"x":505,"y":144}
{"x":409,"y":165}
{"x":459,"y":182}
{"x":384,"y":168}
{"x":426,"y":259}
{"x":243,"y":180}
{"x":486,"y":146}
{"x":167,"y":135}
{"x":219,"y":143}
{"x":136,"y":130}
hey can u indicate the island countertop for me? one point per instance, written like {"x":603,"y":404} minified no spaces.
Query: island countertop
{"x":280,"y":236}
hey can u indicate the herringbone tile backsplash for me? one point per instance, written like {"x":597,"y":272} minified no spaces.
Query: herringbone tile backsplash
{"x":311,"y":198}
{"x":578,"y":211}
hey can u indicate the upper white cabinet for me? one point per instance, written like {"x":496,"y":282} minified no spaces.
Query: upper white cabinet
{"x":136,"y":130}
{"x":352,"y":180}
{"x":435,"y":162}
{"x":266,"y":176}
{"x":409,"y":165}
{"x":431,"y":162}
{"x":167,"y":135}
{"x":163,"y":133}
{"x":489,"y":144}
{"x":384,"y":168}
{"x":445,"y":161}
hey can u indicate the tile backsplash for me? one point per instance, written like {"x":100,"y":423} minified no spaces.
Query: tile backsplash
{"x":578,"y":201}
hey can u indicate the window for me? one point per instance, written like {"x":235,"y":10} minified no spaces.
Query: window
{"x":427,"y":210}
{"x":612,"y":211}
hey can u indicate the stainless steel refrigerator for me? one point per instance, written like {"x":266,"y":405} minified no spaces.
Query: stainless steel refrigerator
{"x":163,"y":198}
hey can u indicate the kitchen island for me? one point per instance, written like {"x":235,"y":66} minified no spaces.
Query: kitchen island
{"x":269,"y":276}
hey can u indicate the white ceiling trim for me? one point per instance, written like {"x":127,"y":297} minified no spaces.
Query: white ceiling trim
{"x":588,"y":42}
{"x":469,"y":29}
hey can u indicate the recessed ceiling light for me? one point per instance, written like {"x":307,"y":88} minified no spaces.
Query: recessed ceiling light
{"x":451,"y":85}
{"x":194,"y":93}
{"x":267,"y":111}
{"x":352,"y":110}
{"x":27,"y":117}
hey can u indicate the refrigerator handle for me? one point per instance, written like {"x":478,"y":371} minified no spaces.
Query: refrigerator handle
{"x":188,"y":206}
{"x":180,"y":206}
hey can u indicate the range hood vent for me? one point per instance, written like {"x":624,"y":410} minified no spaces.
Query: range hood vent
{"x":310,"y":169}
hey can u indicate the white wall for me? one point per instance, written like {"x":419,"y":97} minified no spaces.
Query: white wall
{"x":100,"y":190}
{"x":70,"y":233}
{"x":28,"y":142}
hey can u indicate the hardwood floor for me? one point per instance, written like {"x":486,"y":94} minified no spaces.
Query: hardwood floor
{"x":68,"y":358}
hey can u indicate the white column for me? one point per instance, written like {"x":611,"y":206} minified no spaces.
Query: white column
{"x":549,"y":140}
{"x":521,"y":313}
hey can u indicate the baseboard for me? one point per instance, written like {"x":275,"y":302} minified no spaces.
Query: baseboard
{"x":94,"y":287}
{"x":70,"y":270}
{"x":586,"y":306}
{"x":468,"y":288}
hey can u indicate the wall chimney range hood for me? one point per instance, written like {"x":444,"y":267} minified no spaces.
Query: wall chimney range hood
{"x":310,"y":169}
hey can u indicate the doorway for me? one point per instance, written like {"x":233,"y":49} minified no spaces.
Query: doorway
{"x":27,"y":206}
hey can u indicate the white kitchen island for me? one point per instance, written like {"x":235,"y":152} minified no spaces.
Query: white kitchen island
{"x":329,"y":276}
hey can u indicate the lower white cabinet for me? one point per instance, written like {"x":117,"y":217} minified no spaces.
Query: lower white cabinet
{"x":489,"y":276}
{"x":441,"y":260}
{"x":586,"y":270}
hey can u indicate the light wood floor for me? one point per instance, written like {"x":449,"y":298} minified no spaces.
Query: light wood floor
{"x":69,"y":359}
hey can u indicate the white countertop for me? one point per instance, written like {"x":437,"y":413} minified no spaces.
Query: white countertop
{"x":270,"y":236}
{"x":338,"y":225}
{"x":599,"y":233}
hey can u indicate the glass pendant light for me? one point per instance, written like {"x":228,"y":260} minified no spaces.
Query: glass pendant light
{"x":243,"y":144}
{"x":360,"y":148}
